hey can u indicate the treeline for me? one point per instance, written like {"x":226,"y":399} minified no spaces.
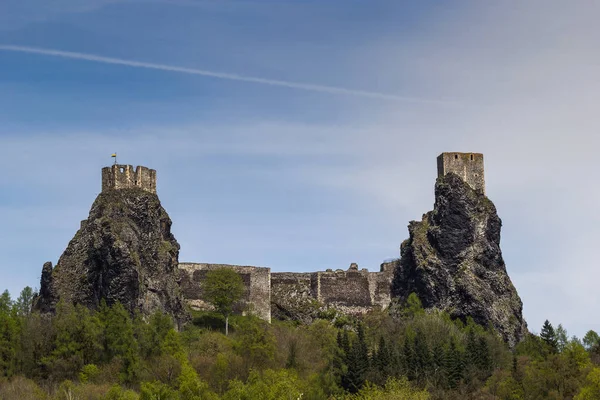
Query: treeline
{"x":403,"y":353}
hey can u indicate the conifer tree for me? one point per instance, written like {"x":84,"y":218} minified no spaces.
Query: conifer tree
{"x":454,"y":365}
{"x":438,"y":363}
{"x":408,"y":358}
{"x":422,"y":361}
{"x":383,"y":361}
{"x":9,"y":330}
{"x":548,"y":335}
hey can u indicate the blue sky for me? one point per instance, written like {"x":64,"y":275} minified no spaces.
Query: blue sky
{"x":303,"y":180}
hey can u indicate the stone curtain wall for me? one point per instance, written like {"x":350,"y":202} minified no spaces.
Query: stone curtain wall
{"x":257,"y":280}
{"x":120,"y":176}
{"x":351,"y":292}
{"x":468,"y":166}
{"x":295,"y":295}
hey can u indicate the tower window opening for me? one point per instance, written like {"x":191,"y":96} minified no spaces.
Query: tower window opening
{"x":471,"y":157}
{"x":122,"y":169}
{"x":456,"y":156}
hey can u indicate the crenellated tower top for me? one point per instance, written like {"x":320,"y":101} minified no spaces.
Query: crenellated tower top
{"x":121,"y":176}
{"x":469,"y":166}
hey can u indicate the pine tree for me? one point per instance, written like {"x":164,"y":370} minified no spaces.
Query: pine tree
{"x":357,"y":361}
{"x":438,"y":362}
{"x":383,"y":359}
{"x":423,"y":362}
{"x":548,"y":335}
{"x":9,"y":331}
{"x":408,"y":358}
{"x":454,"y":365}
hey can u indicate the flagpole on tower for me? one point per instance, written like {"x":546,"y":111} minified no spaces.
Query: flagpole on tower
{"x":114,"y":155}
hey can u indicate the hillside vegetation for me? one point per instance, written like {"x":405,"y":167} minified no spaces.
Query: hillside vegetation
{"x":402,"y":353}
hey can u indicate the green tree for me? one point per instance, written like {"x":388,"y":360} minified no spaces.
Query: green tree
{"x":454,"y":365}
{"x":9,"y":333}
{"x":548,"y":335}
{"x":25,"y":301}
{"x":76,"y":343}
{"x":591,"y":389}
{"x":591,"y":340}
{"x":357,"y":360}
{"x":268,"y":385}
{"x":223,"y":287}
{"x":562,"y":338}
{"x":119,"y":340}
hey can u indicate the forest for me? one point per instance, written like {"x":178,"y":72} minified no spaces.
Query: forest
{"x":403,"y":352}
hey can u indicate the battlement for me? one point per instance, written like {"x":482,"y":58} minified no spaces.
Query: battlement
{"x":121,"y":176}
{"x":469,"y":166}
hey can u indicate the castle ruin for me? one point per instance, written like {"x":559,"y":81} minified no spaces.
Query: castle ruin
{"x":350,"y":291}
{"x":468,"y":166}
{"x":121,"y":176}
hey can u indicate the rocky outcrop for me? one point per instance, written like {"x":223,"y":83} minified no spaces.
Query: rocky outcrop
{"x":452,"y":261}
{"x":124,"y":252}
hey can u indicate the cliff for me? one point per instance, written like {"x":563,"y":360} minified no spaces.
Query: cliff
{"x":124,"y":252}
{"x":453,"y":262}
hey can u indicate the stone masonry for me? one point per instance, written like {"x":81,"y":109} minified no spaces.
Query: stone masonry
{"x":351,"y":292}
{"x":121,"y":176}
{"x":257,"y":281}
{"x":468,"y":166}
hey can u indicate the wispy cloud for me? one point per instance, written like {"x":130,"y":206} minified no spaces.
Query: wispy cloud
{"x":222,"y":75}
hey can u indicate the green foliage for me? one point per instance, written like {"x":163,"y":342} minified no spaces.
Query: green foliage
{"x":119,"y":339}
{"x":25,"y":301}
{"x":9,"y":331}
{"x":268,"y":385}
{"x":89,"y":373}
{"x":118,"y":393}
{"x":591,"y":390}
{"x":394,"y":389}
{"x":591,"y":340}
{"x":76,"y":341}
{"x":223,"y":287}
{"x":548,"y":335}
{"x":157,"y":391}
{"x":255,"y":343}
{"x":83,"y":354}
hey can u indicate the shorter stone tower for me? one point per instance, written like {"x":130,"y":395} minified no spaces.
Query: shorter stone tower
{"x":120,"y":176}
{"x":468,"y":166}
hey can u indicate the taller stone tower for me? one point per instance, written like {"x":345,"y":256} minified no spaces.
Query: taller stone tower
{"x":121,"y":176}
{"x":468,"y":166}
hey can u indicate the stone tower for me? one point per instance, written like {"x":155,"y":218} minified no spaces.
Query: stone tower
{"x":468,"y":166}
{"x":121,"y":176}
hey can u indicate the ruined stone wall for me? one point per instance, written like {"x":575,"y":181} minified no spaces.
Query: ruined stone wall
{"x":293,"y":295}
{"x":121,"y":176}
{"x":257,"y":281}
{"x":352,"y":292}
{"x":468,"y":166}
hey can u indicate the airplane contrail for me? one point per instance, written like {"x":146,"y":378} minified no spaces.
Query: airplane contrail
{"x":220,"y":75}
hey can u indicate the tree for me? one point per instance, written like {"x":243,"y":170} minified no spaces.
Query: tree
{"x":25,"y":301}
{"x":223,"y":287}
{"x":562,"y":338}
{"x":591,"y":340}
{"x":119,"y":339}
{"x":548,"y":335}
{"x":9,"y":331}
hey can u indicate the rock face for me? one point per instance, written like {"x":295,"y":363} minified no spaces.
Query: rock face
{"x":453,"y":262}
{"x":124,"y":252}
